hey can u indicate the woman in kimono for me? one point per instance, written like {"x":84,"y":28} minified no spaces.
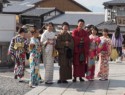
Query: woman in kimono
{"x":105,"y":51}
{"x":35,"y":49}
{"x":47,"y":40}
{"x":65,"y":45}
{"x":17,"y":50}
{"x":117,"y":40}
{"x":94,"y":41}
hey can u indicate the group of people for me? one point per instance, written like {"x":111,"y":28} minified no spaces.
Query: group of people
{"x":77,"y":50}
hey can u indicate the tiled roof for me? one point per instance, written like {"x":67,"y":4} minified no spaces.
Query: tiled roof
{"x":73,"y":17}
{"x":31,"y":1}
{"x":5,"y":1}
{"x":110,"y":26}
{"x":21,"y":6}
{"x":16,"y":8}
{"x":114,"y":2}
{"x":37,"y":11}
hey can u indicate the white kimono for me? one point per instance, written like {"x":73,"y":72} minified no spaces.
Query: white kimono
{"x":47,"y":54}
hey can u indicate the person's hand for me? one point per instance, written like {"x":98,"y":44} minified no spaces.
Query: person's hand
{"x":12,"y":57}
{"x":67,"y":43}
{"x":31,"y":46}
{"x":109,"y":53}
{"x":39,"y":49}
{"x":50,"y":41}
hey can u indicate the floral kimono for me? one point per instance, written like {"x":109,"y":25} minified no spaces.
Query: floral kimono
{"x":34,"y":61}
{"x":48,"y":59}
{"x":94,"y":41}
{"x":17,"y":50}
{"x":105,"y":50}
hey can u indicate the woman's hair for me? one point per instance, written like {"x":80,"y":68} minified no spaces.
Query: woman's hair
{"x":50,"y":23}
{"x":65,"y":23}
{"x":81,"y":20}
{"x":117,"y":32}
{"x":123,"y":45}
{"x":95,"y":28}
{"x":89,"y":26}
{"x":42,"y":29}
{"x":21,"y":30}
{"x":33,"y":31}
{"x":105,"y":30}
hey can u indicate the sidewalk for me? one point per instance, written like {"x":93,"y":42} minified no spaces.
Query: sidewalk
{"x":114,"y":86}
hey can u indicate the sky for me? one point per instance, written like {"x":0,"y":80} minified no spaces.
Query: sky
{"x":94,"y":5}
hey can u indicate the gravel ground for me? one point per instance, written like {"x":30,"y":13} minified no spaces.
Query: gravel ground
{"x":10,"y":86}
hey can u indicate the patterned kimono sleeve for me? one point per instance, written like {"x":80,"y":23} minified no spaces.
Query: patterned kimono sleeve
{"x":11,"y":49}
{"x":98,"y":40}
{"x":109,"y":46}
{"x":32,"y":42}
{"x":26,"y":45}
{"x":43,"y":39}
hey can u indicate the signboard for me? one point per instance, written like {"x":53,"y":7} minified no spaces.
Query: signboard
{"x":120,"y":20}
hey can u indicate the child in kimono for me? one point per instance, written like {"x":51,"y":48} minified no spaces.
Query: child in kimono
{"x":35,"y":49}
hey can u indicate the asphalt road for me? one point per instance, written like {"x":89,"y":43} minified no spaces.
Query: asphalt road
{"x":10,"y":86}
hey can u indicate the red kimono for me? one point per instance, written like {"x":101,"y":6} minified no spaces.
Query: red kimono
{"x":79,"y":68}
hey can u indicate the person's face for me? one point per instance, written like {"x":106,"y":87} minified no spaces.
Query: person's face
{"x":36,"y":34}
{"x":65,"y":28}
{"x":23,"y":34}
{"x":50,"y":27}
{"x":81,"y":25}
{"x":94,"y":31}
{"x":123,"y":47}
{"x":29,"y":35}
{"x":105,"y":33}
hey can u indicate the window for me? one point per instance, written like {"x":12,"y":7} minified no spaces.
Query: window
{"x":121,"y":11}
{"x":121,"y":20}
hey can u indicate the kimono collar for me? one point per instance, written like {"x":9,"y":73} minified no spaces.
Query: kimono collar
{"x":79,"y":29}
{"x":105,"y":37}
{"x":20,"y":36}
{"x":64,"y":32}
{"x":48,"y":31}
{"x":93,"y":36}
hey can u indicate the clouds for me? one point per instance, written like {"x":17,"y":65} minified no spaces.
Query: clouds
{"x":94,"y":5}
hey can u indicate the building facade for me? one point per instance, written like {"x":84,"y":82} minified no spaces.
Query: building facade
{"x":114,"y":16}
{"x":63,"y":5}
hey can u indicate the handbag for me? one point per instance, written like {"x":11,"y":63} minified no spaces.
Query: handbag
{"x":114,"y":54}
{"x":54,"y":53}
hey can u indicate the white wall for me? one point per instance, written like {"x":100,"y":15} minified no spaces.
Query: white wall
{"x":107,"y":14}
{"x":7,"y":27}
{"x":6,"y":36}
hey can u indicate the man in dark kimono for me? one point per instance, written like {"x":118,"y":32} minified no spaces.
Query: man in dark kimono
{"x":81,"y":49}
